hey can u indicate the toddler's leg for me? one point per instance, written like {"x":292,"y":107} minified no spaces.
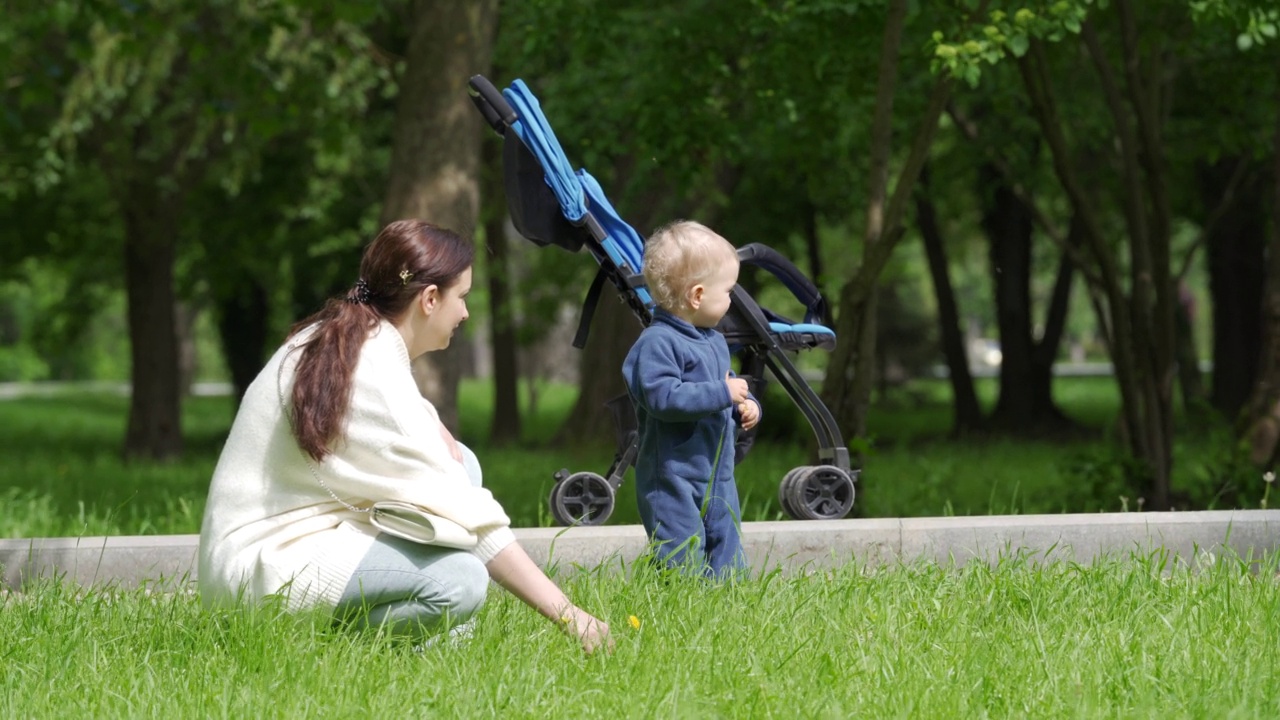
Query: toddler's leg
{"x":674,"y":525}
{"x":724,"y":532}
{"x":414,"y":590}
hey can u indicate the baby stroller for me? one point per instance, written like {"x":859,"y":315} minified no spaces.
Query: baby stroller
{"x":551,"y":204}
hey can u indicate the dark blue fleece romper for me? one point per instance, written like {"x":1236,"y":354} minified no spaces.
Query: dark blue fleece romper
{"x":684,"y":471}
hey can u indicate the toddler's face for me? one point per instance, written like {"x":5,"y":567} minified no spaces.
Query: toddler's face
{"x":715,"y":295}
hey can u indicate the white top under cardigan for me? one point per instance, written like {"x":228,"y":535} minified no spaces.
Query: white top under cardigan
{"x":271,"y":527}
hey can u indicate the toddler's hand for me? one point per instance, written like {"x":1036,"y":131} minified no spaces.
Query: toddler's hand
{"x":738,"y":391}
{"x":749,"y":412}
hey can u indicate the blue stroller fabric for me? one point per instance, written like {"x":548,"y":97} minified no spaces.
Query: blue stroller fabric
{"x":574,"y":190}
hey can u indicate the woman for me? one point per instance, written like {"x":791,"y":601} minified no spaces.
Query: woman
{"x":334,"y":423}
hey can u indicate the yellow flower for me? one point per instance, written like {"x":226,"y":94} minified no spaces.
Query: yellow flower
{"x":635,"y":621}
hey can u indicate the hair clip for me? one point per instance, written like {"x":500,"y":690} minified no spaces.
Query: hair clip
{"x":405,"y":277}
{"x":360,"y":294}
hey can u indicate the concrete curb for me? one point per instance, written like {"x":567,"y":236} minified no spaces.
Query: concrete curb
{"x":1189,"y":537}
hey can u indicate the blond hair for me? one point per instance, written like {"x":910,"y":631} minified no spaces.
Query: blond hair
{"x":680,"y":255}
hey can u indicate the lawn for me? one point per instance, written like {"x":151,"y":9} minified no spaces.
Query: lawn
{"x":1118,"y":638}
{"x":1126,"y":636}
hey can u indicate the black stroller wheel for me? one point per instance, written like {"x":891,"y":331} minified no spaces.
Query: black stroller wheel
{"x":583,"y":498}
{"x":784,"y":492}
{"x":822,"y":492}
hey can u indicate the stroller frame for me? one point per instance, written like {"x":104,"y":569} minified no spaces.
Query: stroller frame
{"x":551,"y":204}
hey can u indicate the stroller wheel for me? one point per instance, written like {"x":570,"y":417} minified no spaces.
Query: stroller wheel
{"x":784,"y":492}
{"x":583,"y":498}
{"x":822,"y":492}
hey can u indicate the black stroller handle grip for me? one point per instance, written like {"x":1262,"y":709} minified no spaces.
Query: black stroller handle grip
{"x":763,"y":256}
{"x":495,"y":108}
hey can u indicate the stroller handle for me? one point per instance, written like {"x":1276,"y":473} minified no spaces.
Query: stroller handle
{"x":495,"y":108}
{"x":802,"y":287}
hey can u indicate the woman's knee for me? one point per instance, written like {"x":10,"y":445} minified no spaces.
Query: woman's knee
{"x":464,"y":588}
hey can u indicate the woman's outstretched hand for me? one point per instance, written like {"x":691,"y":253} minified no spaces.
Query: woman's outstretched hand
{"x":512,"y":569}
{"x":592,"y":632}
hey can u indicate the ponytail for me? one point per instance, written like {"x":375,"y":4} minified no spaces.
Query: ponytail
{"x":322,"y":382}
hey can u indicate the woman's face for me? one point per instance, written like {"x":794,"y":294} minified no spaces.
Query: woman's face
{"x":447,"y":312}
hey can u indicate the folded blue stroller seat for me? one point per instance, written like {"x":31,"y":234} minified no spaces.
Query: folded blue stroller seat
{"x":552,"y":204}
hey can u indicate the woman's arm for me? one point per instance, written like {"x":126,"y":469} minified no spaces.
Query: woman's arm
{"x":513,"y":569}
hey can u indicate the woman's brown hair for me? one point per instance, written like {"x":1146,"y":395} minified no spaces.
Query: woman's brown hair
{"x":406,"y":257}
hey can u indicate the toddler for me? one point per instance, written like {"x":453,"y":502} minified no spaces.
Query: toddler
{"x":688,"y":402}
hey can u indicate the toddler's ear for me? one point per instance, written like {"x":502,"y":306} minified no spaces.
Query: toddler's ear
{"x":694,"y":296}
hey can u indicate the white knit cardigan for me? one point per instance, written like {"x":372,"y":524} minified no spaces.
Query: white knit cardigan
{"x":272,"y":524}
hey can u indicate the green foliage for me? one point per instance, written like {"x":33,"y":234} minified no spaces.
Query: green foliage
{"x":263,"y":125}
{"x":1256,"y":20}
{"x":1007,"y":31}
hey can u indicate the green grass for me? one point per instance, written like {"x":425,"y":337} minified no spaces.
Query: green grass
{"x":1134,"y":636}
{"x":1123,"y":637}
{"x":62,"y":474}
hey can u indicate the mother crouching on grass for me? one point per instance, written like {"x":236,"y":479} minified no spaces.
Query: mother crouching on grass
{"x":335,"y":423}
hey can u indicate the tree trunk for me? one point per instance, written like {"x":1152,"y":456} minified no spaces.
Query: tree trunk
{"x":435,"y":149}
{"x":812,"y":246}
{"x":1236,"y":248}
{"x":614,"y":329}
{"x":505,"y":428}
{"x":155,"y":405}
{"x":1046,"y":348}
{"x":242,"y":328}
{"x":1263,"y":429}
{"x":1138,"y":324}
{"x":1025,"y":402}
{"x":847,"y":388}
{"x":968,"y":413}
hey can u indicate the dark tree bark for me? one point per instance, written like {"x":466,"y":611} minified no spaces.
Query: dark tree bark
{"x":1025,"y":402}
{"x":155,"y":404}
{"x":505,"y":428}
{"x":242,"y":328}
{"x":614,"y":329}
{"x":436,"y":152}
{"x":1236,"y":250}
{"x":813,"y":248}
{"x":968,"y":413}
{"x":1262,"y":430}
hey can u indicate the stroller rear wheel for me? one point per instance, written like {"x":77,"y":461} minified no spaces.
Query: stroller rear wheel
{"x":583,"y":498}
{"x":821,"y":492}
{"x":784,"y":494}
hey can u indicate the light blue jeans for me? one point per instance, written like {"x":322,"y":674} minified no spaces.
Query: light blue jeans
{"x":415,"y":590}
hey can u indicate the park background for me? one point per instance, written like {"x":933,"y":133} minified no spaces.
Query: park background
{"x":1077,"y":185}
{"x":1045,"y":230}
